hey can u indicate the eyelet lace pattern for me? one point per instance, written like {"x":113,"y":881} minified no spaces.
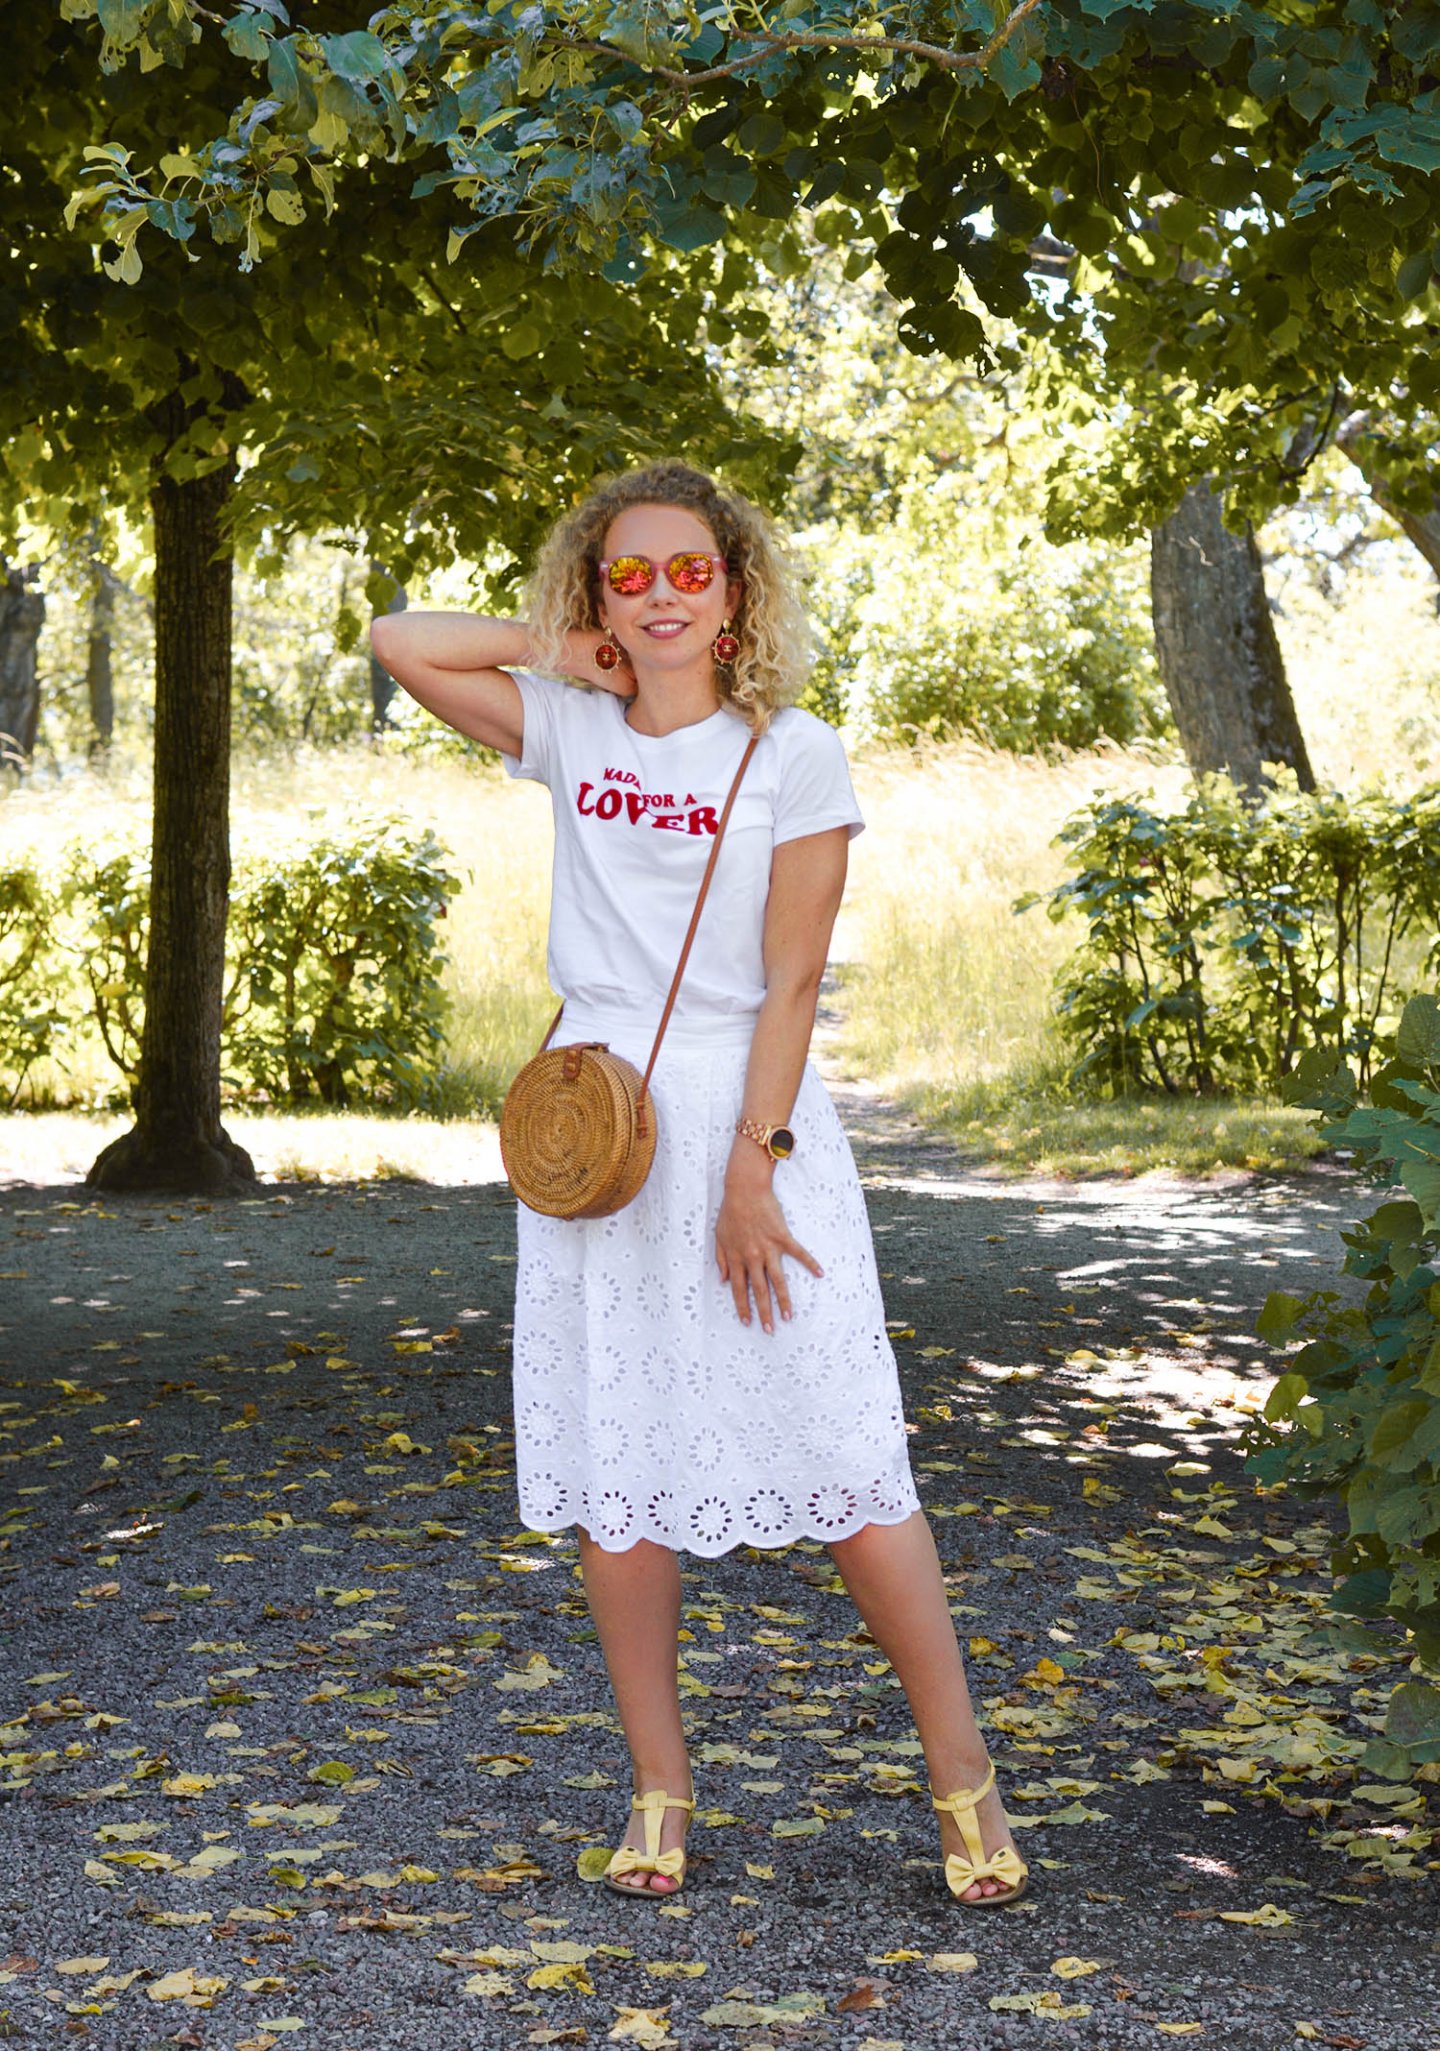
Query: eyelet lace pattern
{"x":645,"y":1409}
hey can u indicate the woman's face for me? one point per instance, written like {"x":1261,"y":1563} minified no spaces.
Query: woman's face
{"x":663,"y":627}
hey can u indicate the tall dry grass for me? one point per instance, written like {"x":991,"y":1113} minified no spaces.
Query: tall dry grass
{"x":946,"y":991}
{"x":945,"y":986}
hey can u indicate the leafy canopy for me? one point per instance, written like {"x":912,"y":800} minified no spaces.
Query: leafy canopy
{"x":365,"y":388}
{"x":1236,"y":197}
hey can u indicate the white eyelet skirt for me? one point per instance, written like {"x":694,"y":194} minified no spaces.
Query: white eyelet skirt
{"x":643,"y":1407}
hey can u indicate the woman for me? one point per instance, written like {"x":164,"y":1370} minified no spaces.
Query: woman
{"x":709,"y":1366}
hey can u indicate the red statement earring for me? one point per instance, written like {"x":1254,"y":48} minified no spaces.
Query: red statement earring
{"x":609,"y":655}
{"x":726,"y":646}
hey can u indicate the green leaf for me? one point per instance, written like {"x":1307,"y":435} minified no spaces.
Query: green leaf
{"x":1407,"y":146}
{"x":1416,"y":32}
{"x":285,"y":206}
{"x":1013,"y":71}
{"x":1417,"y":1043}
{"x":684,"y":225}
{"x":122,"y":20}
{"x":1395,"y":1427}
{"x":627,"y":35}
{"x":248,"y":37}
{"x":1386,"y":1760}
{"x":1396,"y":1221}
{"x":1422,"y":1179}
{"x":1284,"y":1398}
{"x":523,"y":339}
{"x":332,"y":1772}
{"x":1409,"y":1514}
{"x":1277,"y":1321}
{"x":356,"y":57}
{"x":1414,"y":274}
{"x":1412,"y":1715}
{"x":763,"y":135}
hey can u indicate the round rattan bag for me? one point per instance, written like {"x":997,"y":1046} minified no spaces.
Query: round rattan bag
{"x":577,"y":1132}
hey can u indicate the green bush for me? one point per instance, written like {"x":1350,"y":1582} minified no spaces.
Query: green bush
{"x":1223,"y":937}
{"x":106,"y":895}
{"x":337,"y":994}
{"x":942,"y":624}
{"x":1356,"y":1413}
{"x":33,"y":1013}
{"x":333,"y":973}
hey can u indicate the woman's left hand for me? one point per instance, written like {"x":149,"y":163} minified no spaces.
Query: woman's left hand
{"x":752,"y":1240}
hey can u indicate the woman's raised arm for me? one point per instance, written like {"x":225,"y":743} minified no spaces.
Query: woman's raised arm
{"x":456,"y":664}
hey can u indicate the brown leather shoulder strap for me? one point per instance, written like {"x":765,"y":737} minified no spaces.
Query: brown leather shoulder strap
{"x":724,"y":821}
{"x":689,"y":941}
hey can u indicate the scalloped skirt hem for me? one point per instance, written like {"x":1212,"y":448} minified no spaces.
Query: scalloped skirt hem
{"x":762,"y":1541}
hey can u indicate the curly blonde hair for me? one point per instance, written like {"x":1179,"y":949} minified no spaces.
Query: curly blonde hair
{"x":770,"y":623}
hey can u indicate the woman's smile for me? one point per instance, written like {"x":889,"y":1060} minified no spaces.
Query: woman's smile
{"x":664,"y":630}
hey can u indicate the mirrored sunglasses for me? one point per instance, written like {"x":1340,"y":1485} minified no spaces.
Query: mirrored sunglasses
{"x":689,"y":571}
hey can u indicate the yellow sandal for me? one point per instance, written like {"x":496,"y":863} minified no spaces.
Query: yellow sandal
{"x":627,"y":1859}
{"x":960,"y":1873}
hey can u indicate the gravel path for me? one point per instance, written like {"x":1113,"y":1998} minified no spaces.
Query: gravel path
{"x":263,"y":1584}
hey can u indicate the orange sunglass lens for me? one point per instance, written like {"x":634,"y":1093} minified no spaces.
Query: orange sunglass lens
{"x":689,"y":573}
{"x":631,"y":574}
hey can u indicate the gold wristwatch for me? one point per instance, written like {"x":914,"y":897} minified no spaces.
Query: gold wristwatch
{"x":777,"y":1140}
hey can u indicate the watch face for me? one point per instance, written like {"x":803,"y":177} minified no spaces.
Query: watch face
{"x":782,"y":1143}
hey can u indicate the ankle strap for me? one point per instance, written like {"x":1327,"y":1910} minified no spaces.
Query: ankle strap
{"x":965,"y":1798}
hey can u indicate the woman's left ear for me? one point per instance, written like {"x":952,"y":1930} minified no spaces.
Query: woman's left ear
{"x":734,"y":592}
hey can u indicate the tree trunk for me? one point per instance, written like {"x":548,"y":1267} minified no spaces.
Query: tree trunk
{"x":1364,"y":446}
{"x":1218,"y":653}
{"x":99,"y":670}
{"x":177,"y":1142}
{"x":22,"y":614}
{"x":382,"y":684}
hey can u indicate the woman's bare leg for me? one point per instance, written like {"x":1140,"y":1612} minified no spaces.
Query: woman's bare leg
{"x":894,"y":1578}
{"x":634,"y":1598}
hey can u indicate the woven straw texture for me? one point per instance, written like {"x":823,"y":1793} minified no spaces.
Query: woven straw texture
{"x":570,"y":1137}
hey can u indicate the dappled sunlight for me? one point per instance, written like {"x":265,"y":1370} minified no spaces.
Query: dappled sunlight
{"x":46,"y":1148}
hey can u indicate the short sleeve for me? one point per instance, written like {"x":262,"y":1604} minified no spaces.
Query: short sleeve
{"x":815,"y":790}
{"x":539,"y":697}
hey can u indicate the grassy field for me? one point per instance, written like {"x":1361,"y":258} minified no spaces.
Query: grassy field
{"x":945,"y":991}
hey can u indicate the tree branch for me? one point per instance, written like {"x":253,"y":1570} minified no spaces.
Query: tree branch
{"x":929,"y":53}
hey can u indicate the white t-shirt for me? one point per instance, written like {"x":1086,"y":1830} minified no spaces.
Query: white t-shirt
{"x":634,"y":818}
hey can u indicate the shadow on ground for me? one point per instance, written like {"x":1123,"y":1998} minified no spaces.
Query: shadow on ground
{"x":305,"y":1734}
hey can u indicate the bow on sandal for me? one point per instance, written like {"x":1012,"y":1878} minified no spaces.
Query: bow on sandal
{"x":652,"y":1860}
{"x":1006,"y":1864}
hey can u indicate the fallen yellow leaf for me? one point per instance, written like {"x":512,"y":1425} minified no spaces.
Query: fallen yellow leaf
{"x":571,"y":1975}
{"x":643,"y":2026}
{"x":1045,"y":2002}
{"x":195,"y":1990}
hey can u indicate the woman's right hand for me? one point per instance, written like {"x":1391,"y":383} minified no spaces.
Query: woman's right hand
{"x":579,"y":658}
